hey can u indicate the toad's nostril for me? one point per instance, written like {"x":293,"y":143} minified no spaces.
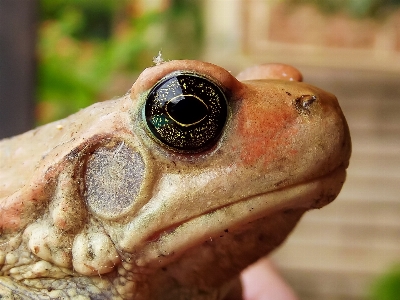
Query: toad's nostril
{"x":308,"y":100}
{"x":303,"y":103}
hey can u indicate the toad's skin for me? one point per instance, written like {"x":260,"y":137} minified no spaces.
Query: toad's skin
{"x":95,"y":207}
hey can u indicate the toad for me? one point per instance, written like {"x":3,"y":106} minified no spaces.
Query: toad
{"x":170,"y":191}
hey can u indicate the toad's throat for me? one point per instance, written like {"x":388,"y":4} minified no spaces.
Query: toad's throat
{"x":176,"y":238}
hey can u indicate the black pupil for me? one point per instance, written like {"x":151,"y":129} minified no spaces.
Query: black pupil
{"x":187,"y":110}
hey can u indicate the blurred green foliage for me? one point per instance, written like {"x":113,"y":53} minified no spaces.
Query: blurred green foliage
{"x":85,"y":46}
{"x":387,"y":287}
{"x":356,"y":8}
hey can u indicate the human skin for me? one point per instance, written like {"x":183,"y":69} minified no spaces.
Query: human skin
{"x":262,"y":281}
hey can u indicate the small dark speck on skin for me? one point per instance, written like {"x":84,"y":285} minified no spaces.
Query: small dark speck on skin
{"x":35,"y":132}
{"x":220,"y":152}
{"x":261,"y":237}
{"x":226,"y":230}
{"x":279,"y":183}
{"x":91,"y":253}
{"x":289,"y":94}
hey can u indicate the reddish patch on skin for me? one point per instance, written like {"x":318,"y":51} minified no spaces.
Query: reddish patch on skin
{"x":265,"y":130}
{"x":61,"y":216}
{"x":10,"y":217}
{"x":18,"y":209}
{"x":60,"y":224}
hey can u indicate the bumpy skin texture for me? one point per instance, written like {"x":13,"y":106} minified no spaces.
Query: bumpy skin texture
{"x":93,"y":207}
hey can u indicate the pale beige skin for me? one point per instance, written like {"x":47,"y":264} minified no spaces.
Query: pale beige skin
{"x":186,"y":226}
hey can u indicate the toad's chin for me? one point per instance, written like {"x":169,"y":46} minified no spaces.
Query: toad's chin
{"x":177,"y":239}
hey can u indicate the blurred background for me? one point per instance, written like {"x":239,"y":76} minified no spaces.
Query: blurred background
{"x":57,"y":57}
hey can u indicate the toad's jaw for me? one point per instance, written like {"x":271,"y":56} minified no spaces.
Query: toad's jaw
{"x":175,"y":240}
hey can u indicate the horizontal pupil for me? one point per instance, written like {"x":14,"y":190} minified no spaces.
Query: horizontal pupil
{"x":187,"y":110}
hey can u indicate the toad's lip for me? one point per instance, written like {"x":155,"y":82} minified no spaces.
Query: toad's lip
{"x":170,"y":242}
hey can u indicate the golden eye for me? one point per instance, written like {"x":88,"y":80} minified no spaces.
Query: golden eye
{"x":186,"y":111}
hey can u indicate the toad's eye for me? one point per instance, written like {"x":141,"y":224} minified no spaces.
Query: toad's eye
{"x":186,"y":111}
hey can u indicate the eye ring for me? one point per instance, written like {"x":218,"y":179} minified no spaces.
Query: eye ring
{"x":186,"y":112}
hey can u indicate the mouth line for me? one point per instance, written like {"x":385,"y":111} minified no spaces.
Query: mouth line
{"x":158,"y":235}
{"x":172,"y":240}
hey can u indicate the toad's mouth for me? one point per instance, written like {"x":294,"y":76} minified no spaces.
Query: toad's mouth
{"x":167,"y":244}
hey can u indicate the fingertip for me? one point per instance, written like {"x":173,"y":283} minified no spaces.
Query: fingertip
{"x":271,"y":71}
{"x":261,"y":281}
